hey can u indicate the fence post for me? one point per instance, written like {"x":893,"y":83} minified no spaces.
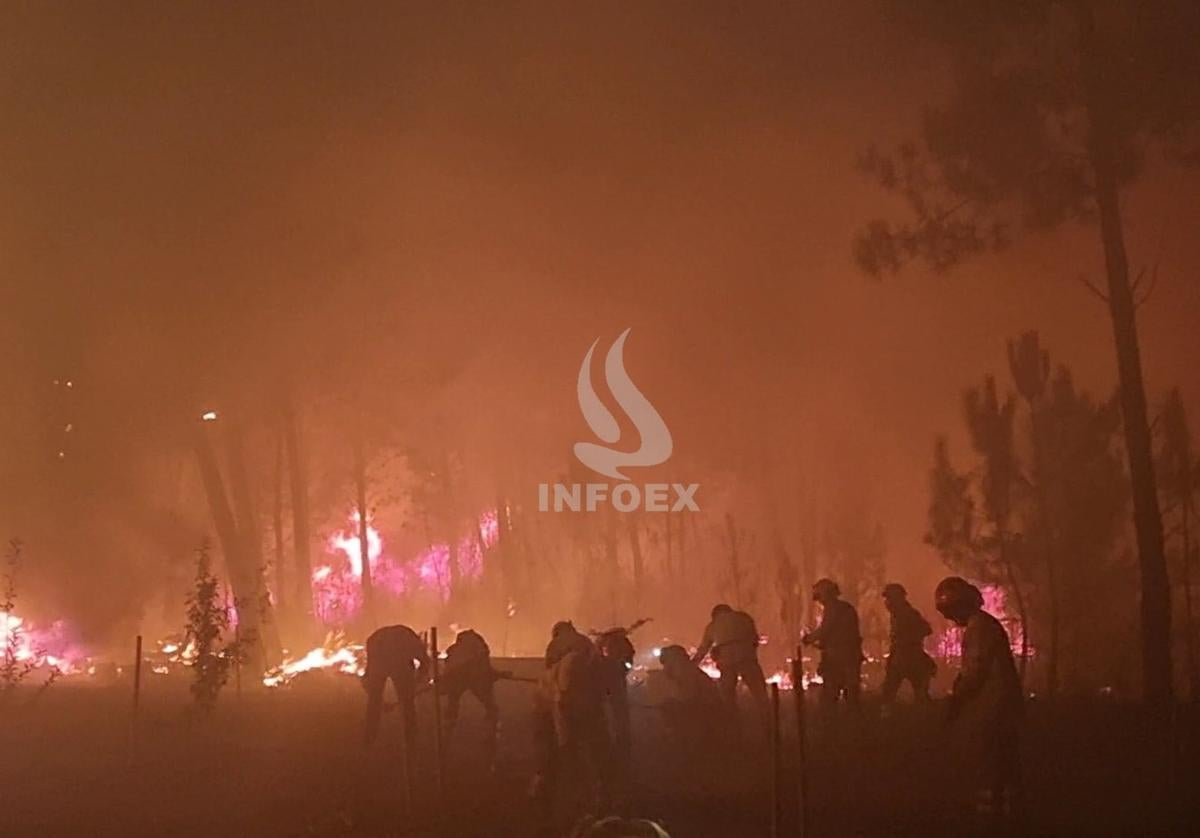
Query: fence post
{"x":801,"y":744}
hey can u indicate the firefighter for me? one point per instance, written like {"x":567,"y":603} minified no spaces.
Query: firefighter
{"x":616,"y":660}
{"x":984,"y":707}
{"x":906,"y":660}
{"x":398,"y":654}
{"x":569,"y":726}
{"x":696,"y":705}
{"x":733,"y":639}
{"x":840,"y":642}
{"x":468,"y":668}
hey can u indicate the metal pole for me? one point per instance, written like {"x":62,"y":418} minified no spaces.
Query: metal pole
{"x":434,"y":667}
{"x":801,"y":744}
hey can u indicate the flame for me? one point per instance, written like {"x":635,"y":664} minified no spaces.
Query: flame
{"x":948,"y":644}
{"x":28,"y":645}
{"x":337,"y":584}
{"x":335,"y":654}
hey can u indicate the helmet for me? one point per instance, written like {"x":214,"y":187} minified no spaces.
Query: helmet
{"x":957,"y":599}
{"x":673,"y":653}
{"x":894,"y":590}
{"x":826,"y":588}
{"x":720,"y":608}
{"x":562,"y":627}
{"x":615,"y":827}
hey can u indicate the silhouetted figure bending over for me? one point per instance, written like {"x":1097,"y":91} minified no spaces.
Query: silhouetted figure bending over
{"x":732,"y":638}
{"x":468,"y":668}
{"x":394,"y":653}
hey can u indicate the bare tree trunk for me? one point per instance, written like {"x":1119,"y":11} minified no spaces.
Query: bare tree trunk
{"x":238,"y":565}
{"x":613,"y":564}
{"x":1055,"y":625}
{"x":1157,"y":681}
{"x":735,"y":571}
{"x":635,"y":547}
{"x":364,"y":545}
{"x":254,"y":597}
{"x":277,"y":527}
{"x":301,"y":546}
{"x":670,"y":546}
{"x":1190,"y":634}
{"x":1022,"y":614}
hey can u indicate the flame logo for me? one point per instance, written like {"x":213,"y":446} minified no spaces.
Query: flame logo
{"x":655,"y":439}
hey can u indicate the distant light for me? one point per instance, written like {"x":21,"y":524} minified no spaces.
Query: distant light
{"x":62,"y":455}
{"x":209,"y":416}
{"x":656,"y":651}
{"x":70,"y":383}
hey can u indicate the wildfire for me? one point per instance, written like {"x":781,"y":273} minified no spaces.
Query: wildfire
{"x":337,"y":584}
{"x":335,"y":654}
{"x":28,"y":646}
{"x":948,"y":645}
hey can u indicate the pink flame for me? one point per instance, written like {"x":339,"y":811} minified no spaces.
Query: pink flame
{"x":337,"y":584}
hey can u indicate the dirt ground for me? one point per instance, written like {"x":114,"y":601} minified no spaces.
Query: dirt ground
{"x":291,"y":763}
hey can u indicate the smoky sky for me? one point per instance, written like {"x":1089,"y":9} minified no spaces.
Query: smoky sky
{"x":430,"y":211}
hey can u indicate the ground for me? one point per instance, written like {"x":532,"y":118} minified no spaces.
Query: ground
{"x":291,"y":763}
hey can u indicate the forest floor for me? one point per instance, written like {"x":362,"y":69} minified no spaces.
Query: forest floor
{"x":291,"y":763}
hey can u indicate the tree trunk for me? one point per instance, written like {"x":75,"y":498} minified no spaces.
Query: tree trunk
{"x":1157,"y":683}
{"x":234,"y":546}
{"x":635,"y":548}
{"x":1052,"y":658}
{"x":298,"y":480}
{"x":1022,"y":614}
{"x":613,"y":565}
{"x":735,"y":571}
{"x":670,"y":548}
{"x":364,"y":544}
{"x":277,"y":529}
{"x":1190,"y":634}
{"x":255,"y":597}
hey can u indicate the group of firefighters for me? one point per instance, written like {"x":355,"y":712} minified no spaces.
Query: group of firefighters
{"x":581,"y":702}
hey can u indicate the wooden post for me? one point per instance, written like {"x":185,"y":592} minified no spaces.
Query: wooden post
{"x":405,"y":763}
{"x":776,"y":785}
{"x":434,"y":667}
{"x":137,"y":676}
{"x":801,"y":744}
{"x":237,"y":654}
{"x":137,"y":691}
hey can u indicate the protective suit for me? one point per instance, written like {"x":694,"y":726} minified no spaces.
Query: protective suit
{"x":398,"y":654}
{"x":840,"y":641}
{"x":696,"y":708}
{"x":616,"y":661}
{"x":732,"y":638}
{"x":907,"y":660}
{"x":468,"y":668}
{"x":985,"y":705}
{"x":569,"y":724}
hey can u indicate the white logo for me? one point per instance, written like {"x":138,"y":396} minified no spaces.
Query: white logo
{"x":654,"y":447}
{"x":655,"y":439}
